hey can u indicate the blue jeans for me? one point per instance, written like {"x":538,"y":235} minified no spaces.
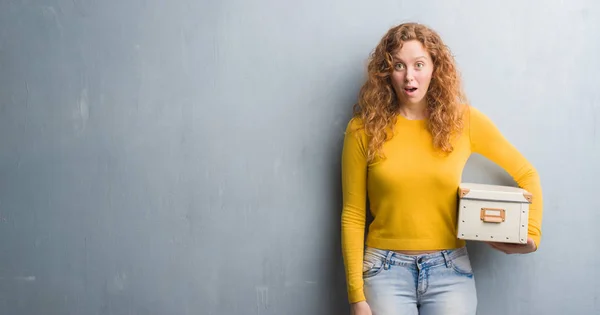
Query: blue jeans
{"x":430,"y":284}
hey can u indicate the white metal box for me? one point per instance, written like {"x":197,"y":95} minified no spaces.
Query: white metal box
{"x":493,"y":213}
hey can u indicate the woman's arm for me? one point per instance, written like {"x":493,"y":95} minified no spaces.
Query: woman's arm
{"x":488,"y":141}
{"x":354,"y":193}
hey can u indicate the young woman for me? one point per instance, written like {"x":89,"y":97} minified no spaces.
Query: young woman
{"x":404,"y":153}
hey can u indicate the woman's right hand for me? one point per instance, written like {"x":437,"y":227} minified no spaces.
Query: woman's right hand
{"x":360,"y":308}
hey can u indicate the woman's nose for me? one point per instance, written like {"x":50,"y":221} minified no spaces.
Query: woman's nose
{"x":409,"y":76}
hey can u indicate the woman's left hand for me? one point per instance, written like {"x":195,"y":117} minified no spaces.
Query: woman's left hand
{"x":509,"y":248}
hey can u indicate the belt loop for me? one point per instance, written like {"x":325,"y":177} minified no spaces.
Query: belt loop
{"x":446,"y":258}
{"x":388,"y":258}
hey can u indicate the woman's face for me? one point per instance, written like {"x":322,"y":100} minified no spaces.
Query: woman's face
{"x":412,"y":73}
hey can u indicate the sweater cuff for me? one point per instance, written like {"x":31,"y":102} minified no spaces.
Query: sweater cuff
{"x":536,"y":240}
{"x":356,"y":295}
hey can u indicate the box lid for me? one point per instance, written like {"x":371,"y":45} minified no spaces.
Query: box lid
{"x":493,"y":193}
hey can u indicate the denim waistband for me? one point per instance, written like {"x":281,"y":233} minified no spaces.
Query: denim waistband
{"x":430,"y":259}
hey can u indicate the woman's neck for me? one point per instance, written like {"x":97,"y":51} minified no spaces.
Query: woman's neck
{"x":413,"y":112}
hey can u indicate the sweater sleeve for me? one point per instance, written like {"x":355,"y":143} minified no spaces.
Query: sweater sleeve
{"x":488,"y":141}
{"x":354,"y":198}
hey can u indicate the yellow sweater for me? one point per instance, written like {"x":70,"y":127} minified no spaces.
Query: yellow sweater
{"x":413,"y":192}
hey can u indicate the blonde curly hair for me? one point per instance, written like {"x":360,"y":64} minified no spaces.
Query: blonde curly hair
{"x":377,"y":105}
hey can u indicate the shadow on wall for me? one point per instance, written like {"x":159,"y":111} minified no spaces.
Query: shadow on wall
{"x":335,"y":269}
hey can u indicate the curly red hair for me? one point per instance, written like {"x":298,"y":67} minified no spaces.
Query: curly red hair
{"x":377,"y":105}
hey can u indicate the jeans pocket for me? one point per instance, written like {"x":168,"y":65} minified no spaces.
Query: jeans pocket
{"x":372,"y":264}
{"x":462,"y":265}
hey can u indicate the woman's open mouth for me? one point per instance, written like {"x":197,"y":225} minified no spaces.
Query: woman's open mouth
{"x":410,"y":90}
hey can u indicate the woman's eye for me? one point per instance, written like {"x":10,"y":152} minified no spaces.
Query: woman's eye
{"x":420,"y":65}
{"x":399,"y":66}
